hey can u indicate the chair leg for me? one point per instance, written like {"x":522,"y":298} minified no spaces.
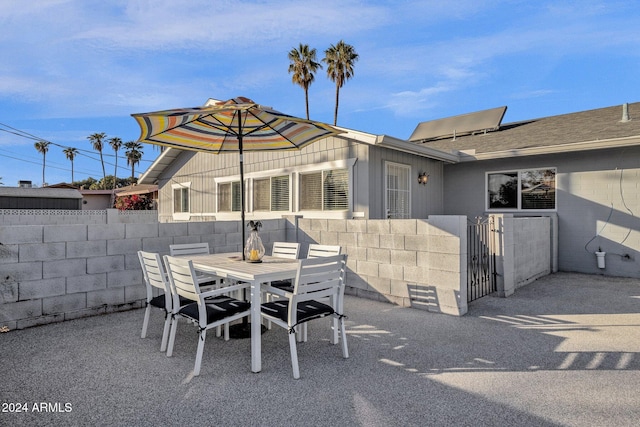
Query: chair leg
{"x":334,"y":330}
{"x":165,"y":332}
{"x":343,"y":338}
{"x":172,"y":337}
{"x":201,"y":339}
{"x":145,"y":322}
{"x":294,"y":356}
{"x":226,"y":331}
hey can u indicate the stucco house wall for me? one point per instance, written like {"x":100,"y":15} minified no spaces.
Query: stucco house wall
{"x":598,"y":203}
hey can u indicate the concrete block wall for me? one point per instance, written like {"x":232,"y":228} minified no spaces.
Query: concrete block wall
{"x":58,"y":217}
{"x":51,"y":273}
{"x":413,"y":263}
{"x":524,"y":249}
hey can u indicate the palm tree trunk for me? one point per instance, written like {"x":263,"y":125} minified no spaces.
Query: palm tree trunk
{"x":104,"y":173}
{"x":44,"y":157}
{"x":115,"y":172}
{"x":335,"y":115}
{"x":306,"y":101}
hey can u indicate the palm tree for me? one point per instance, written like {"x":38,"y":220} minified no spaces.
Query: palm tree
{"x":42,"y":147}
{"x":303,"y":65}
{"x":134,"y":154}
{"x":340,"y":60}
{"x":115,"y":143}
{"x":71,"y":154}
{"x":97,"y":141}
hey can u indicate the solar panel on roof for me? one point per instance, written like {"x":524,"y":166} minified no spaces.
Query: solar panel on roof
{"x":457,"y":125}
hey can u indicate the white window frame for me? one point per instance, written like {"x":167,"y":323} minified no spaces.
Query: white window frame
{"x":519,"y":173}
{"x":406,"y":167}
{"x":181,"y":216}
{"x":293,"y":173}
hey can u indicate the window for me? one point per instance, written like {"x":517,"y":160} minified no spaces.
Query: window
{"x":325,"y":190}
{"x":271,"y":194}
{"x":180,"y":199}
{"x":229,"y":197}
{"x":522,"y":190}
{"x":397,"y":192}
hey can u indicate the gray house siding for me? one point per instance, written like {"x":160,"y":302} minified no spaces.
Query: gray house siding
{"x":425,"y":199}
{"x":368,"y":199}
{"x":598,"y":203}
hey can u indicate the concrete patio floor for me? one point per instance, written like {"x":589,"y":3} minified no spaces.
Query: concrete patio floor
{"x":563,"y":351}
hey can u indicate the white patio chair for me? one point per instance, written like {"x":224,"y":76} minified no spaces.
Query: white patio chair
{"x":208,"y":309}
{"x":183,"y":249}
{"x":155,"y":280}
{"x":282,"y":287}
{"x":317,"y":278}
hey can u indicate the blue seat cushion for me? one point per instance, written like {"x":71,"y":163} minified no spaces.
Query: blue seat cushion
{"x":217,"y":309}
{"x":307,"y":310}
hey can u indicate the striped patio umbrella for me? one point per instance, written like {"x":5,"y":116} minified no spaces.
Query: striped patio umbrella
{"x":237,"y":125}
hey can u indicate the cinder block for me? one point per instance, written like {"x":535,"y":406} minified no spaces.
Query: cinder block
{"x":379,"y":284}
{"x":381,"y":256}
{"x":391,"y":271}
{"x":105,"y":264}
{"x":223,"y":227}
{"x":319,"y":225}
{"x":157,"y":244}
{"x":15,"y":234}
{"x":135,"y":293}
{"x":338,"y":225}
{"x":106,"y":231}
{"x":392,"y":241}
{"x":64,"y":268}
{"x":9,"y":253}
{"x":124,"y":278}
{"x":63,"y":303}
{"x":91,"y":248}
{"x":329,"y":237}
{"x":347,"y":239}
{"x":86,"y":283}
{"x":367,"y":268}
{"x":357,"y":226}
{"x":132,"y":262}
{"x":378,"y":226}
{"x":446,"y":279}
{"x":42,"y":252}
{"x":201,"y":228}
{"x":172,"y":229}
{"x":443,"y":244}
{"x":399,"y":288}
{"x":65,"y":233}
{"x":416,"y":243}
{"x":20,"y":272}
{"x":107,"y":296}
{"x":404,"y":258}
{"x":403,"y":226}
{"x":34,"y":289}
{"x":20,"y":310}
{"x":133,"y":231}
{"x":8,"y":292}
{"x":416,"y":274}
{"x":368,"y":240}
{"x":123,"y":246}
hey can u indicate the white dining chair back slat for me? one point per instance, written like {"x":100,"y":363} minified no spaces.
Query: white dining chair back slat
{"x":189,"y":249}
{"x":286,"y":250}
{"x":156,"y":282}
{"x":210,"y":308}
{"x":316,"y":278}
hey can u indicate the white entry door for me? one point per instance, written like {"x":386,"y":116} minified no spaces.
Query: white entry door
{"x":397,"y":191}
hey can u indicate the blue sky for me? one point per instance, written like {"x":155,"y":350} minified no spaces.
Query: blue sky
{"x":71,"y":68}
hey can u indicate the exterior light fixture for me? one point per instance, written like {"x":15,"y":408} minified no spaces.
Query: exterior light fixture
{"x":423,"y":178}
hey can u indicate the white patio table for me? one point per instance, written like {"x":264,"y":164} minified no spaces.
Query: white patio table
{"x":231,"y":265}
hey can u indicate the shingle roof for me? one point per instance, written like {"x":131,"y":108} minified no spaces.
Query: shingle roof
{"x":585,"y":126}
{"x":46,"y":192}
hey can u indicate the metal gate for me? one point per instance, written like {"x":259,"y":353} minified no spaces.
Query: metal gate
{"x":481,"y":275}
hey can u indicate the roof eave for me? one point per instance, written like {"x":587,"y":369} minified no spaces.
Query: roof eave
{"x":416,"y":149}
{"x":554,"y":149}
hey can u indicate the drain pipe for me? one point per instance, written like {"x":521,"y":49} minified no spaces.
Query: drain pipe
{"x":600,"y":258}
